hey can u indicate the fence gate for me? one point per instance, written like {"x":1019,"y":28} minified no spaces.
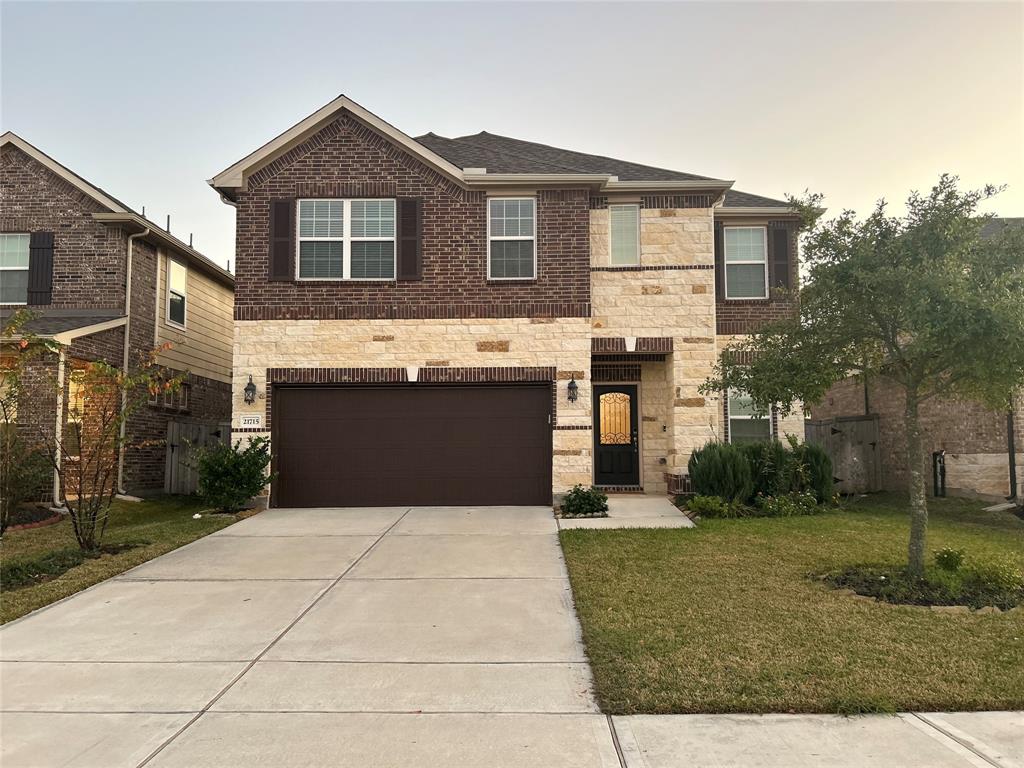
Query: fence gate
{"x":852,"y":444}
{"x":182,"y":436}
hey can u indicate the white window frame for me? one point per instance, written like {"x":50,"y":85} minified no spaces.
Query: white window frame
{"x":611,"y":261}
{"x":184,"y":296}
{"x":346,"y":240}
{"x":533,"y":238}
{"x":726,"y":263}
{"x":18,"y":269}
{"x":744,"y":417}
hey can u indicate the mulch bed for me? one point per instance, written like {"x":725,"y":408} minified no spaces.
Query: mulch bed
{"x":33,"y":517}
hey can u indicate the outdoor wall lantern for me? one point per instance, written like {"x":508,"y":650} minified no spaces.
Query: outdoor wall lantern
{"x":574,"y":390}
{"x":250,"y":391}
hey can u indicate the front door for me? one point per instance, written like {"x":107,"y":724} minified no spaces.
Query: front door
{"x":616,"y":442}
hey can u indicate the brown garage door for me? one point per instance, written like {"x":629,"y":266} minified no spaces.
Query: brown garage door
{"x":427,"y":445}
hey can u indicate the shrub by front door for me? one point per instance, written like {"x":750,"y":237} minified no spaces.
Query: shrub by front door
{"x":616,"y":440}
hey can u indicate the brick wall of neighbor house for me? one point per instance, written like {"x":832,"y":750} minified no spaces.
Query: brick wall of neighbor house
{"x":973,"y":436}
{"x":562,"y":343}
{"x":746,"y":316}
{"x":88,"y":268}
{"x":348,"y":159}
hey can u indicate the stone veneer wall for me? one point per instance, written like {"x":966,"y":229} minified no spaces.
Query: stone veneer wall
{"x":458,"y":343}
{"x":671,"y":294}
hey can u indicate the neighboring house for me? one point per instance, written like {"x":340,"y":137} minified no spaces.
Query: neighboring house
{"x":107,"y":284}
{"x":487,"y":320}
{"x":981,"y":445}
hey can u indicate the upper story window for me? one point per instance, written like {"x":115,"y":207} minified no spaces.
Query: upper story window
{"x":346,"y":240}
{"x":14,"y":268}
{"x":744,"y":425}
{"x":177,"y":292}
{"x":746,"y":263}
{"x":511,"y":238}
{"x":624,"y":238}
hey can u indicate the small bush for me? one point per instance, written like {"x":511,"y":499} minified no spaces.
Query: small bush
{"x":994,"y":576}
{"x":715,"y":507}
{"x":721,"y":469}
{"x":584,"y":502}
{"x":811,"y":470}
{"x":787,"y":505}
{"x":231,"y":475}
{"x":949,"y":559}
{"x":771,"y":467}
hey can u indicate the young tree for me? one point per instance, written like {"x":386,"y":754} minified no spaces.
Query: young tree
{"x":101,"y":400}
{"x":922,"y":300}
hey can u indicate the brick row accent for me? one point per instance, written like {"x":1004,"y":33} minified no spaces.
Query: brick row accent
{"x":662,"y":268}
{"x":629,"y":357}
{"x":336,"y":375}
{"x":700,"y":200}
{"x":660,"y":344}
{"x":495,"y":375}
{"x":618,"y":372}
{"x":621,"y":488}
{"x":346,"y":189}
{"x":408,"y":311}
{"x":580,"y":427}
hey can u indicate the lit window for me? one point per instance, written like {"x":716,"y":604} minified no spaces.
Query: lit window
{"x":177,"y":289}
{"x":14,"y":268}
{"x":744,"y":425}
{"x":746,"y":263}
{"x":511,"y":238}
{"x":76,"y":416}
{"x":625,"y":234}
{"x":346,"y":240}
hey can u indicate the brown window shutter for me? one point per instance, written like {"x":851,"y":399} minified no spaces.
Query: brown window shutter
{"x":779,"y":257}
{"x":719,"y":263}
{"x":410,"y":238}
{"x":40,"y":268}
{"x":282,"y":240}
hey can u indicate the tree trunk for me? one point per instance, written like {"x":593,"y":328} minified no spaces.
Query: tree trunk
{"x":918,"y":493}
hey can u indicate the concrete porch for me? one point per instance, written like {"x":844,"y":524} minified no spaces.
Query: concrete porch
{"x":634,"y":510}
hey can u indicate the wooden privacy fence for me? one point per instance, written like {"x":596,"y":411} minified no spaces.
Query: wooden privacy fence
{"x":182,"y":436}
{"x":852,"y":444}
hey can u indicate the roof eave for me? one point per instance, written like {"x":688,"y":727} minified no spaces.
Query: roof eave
{"x":136,"y":223}
{"x":753,"y":210}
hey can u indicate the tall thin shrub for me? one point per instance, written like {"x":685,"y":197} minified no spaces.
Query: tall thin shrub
{"x":812,"y":470}
{"x":721,"y":469}
{"x":771,"y":467}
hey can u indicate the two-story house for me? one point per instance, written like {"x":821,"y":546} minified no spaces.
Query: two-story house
{"x":484,"y":320}
{"x":105,"y":283}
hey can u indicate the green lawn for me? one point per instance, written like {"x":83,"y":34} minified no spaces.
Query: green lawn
{"x":156,"y":526}
{"x":723,"y":618}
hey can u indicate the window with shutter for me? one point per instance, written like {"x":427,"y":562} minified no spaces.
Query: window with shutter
{"x":625,"y":234}
{"x":14,"y":265}
{"x":346,"y":239}
{"x":746,"y":262}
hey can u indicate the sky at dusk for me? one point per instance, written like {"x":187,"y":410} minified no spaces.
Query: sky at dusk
{"x":854,"y":100}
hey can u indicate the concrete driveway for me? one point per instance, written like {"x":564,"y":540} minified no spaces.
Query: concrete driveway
{"x":385,"y":637}
{"x":342,"y":637}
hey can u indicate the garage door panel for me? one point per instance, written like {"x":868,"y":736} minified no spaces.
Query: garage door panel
{"x":338,"y":446}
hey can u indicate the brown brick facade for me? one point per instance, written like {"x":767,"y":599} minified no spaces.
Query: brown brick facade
{"x":345,"y":158}
{"x":742,"y":316}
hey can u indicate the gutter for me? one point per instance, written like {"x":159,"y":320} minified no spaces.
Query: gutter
{"x":58,"y":427}
{"x":1011,"y":450}
{"x":127,"y":347}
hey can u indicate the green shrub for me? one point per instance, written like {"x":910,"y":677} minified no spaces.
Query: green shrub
{"x":787,"y":504}
{"x":584,"y":502}
{"x":811,"y":470}
{"x":949,"y":559}
{"x":231,"y":475}
{"x":712,"y":507}
{"x":721,"y":469}
{"x":995,"y":576}
{"x":771,"y":467}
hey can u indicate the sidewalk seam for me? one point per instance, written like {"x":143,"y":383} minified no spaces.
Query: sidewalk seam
{"x":962,"y":742}
{"x":273,"y":642}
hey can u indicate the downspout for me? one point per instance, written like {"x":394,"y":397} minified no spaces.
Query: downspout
{"x":58,"y":427}
{"x":1011,"y":450}
{"x":124,"y":359}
